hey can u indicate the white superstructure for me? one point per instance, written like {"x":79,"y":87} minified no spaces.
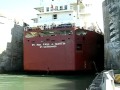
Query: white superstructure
{"x":64,"y":11}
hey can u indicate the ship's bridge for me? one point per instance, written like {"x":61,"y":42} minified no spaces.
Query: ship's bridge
{"x":64,"y":11}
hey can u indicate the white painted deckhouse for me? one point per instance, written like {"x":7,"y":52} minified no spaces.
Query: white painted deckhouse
{"x":63,"y":12}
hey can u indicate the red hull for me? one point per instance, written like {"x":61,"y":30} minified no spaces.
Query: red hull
{"x":73,"y":50}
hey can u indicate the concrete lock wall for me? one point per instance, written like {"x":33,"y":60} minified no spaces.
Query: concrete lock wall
{"x":12,"y":58}
{"x":111,"y":14}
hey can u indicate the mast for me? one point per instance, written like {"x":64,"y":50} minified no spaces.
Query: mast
{"x":78,"y":21}
{"x":77,"y":9}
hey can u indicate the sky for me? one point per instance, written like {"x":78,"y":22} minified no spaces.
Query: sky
{"x":24,"y":10}
{"x":97,"y":13}
{"x":19,"y":8}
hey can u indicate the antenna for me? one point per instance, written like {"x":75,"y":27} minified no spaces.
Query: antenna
{"x":78,"y":7}
{"x":99,"y":27}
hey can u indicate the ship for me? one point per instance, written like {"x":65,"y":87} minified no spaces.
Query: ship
{"x":58,"y":43}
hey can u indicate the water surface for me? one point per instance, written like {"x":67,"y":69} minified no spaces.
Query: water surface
{"x":45,"y":82}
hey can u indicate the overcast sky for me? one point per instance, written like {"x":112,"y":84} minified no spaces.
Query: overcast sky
{"x":24,"y":9}
{"x":19,"y":8}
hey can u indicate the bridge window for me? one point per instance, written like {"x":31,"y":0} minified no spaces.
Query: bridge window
{"x":71,"y":7}
{"x":61,"y":7}
{"x":41,"y":9}
{"x":56,"y":7}
{"x":47,"y":9}
{"x":65,"y":7}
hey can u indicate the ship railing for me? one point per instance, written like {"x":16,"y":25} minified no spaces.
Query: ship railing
{"x":57,"y":26}
{"x":49,"y":27}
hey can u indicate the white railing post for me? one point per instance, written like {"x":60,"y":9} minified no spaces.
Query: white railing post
{"x":108,"y":81}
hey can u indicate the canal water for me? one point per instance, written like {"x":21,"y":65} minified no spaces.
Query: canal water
{"x":45,"y":82}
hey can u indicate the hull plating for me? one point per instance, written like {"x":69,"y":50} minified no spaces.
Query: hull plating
{"x":72,"y":50}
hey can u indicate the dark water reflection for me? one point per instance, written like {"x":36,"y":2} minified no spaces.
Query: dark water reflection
{"x":45,"y":82}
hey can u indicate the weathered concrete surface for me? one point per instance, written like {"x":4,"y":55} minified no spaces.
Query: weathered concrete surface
{"x":95,"y":85}
{"x":12,"y":58}
{"x":111,"y":13}
{"x":112,"y":52}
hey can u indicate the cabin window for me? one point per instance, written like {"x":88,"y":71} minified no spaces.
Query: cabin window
{"x":61,"y":7}
{"x":47,"y":9}
{"x":55,"y":16}
{"x":65,"y":7}
{"x":71,"y":7}
{"x":56,"y":7}
{"x":42,"y":9}
{"x":79,"y":47}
